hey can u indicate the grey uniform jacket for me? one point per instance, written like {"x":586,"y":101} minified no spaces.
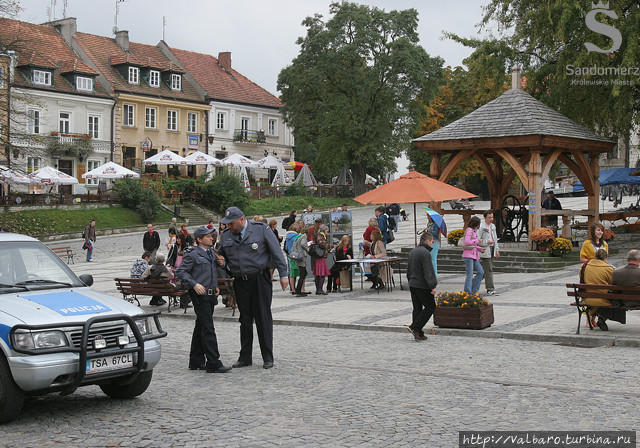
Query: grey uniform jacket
{"x":420,"y":269}
{"x":197,"y":268}
{"x":251,"y":254}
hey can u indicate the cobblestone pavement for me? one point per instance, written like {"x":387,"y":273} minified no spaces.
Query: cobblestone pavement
{"x":343,"y":388}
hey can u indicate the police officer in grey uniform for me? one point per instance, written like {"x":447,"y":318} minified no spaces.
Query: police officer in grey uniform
{"x":246,"y":249}
{"x":198,"y":271}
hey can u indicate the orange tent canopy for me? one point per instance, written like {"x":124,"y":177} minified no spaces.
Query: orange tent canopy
{"x":411,"y":188}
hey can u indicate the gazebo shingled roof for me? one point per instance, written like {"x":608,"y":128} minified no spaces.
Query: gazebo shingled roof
{"x":527,"y":134}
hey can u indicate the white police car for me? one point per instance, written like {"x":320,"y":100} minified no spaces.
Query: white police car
{"x":56,"y":334}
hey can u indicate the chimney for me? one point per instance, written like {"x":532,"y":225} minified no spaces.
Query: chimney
{"x":67,"y":28}
{"x":122,"y":39}
{"x":516,"y":78}
{"x":224,"y":59}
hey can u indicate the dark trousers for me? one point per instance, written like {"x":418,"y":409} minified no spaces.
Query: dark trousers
{"x":254,"y":303}
{"x":204,"y":342}
{"x":303,"y":275}
{"x":423,"y":307}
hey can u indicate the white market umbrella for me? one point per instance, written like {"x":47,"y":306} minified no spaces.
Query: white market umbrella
{"x":51,"y":176}
{"x":110,"y":170}
{"x":244,"y":178}
{"x":306,"y":177}
{"x":9,"y":176}
{"x":200,"y":158}
{"x":166,"y":157}
{"x":238,"y":160}
{"x":370,"y":180}
{"x":269,"y":163}
{"x":281,"y":177}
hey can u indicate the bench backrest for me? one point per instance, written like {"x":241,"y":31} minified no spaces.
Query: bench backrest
{"x":609,"y":292}
{"x":147,"y":287}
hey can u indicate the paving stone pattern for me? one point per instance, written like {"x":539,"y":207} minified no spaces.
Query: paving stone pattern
{"x":343,"y":388}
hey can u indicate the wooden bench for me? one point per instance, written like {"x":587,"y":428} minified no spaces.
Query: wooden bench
{"x":131,"y":288}
{"x":625,"y":298}
{"x":64,"y":252}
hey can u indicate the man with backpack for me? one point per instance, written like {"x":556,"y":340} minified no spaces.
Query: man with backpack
{"x":383,"y":225}
{"x":394,"y":216}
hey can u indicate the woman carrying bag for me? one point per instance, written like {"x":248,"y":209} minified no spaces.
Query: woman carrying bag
{"x":471,"y":256}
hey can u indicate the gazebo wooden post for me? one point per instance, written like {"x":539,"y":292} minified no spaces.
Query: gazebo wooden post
{"x":594,"y":198}
{"x":535,"y":193}
{"x":435,"y":169}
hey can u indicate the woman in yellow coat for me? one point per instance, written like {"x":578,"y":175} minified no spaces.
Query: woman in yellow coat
{"x":598,"y":272}
{"x":595,"y":242}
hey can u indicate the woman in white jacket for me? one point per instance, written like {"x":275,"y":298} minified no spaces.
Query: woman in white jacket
{"x":489,"y":240}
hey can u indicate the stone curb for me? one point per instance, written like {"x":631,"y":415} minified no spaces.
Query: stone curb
{"x":589,"y":341}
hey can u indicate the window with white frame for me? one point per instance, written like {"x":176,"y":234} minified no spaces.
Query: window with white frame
{"x":33,"y":116}
{"x":172,"y":120}
{"x":83,"y":83}
{"x":272,"y":128}
{"x":154,"y":78}
{"x":192,"y":122}
{"x":221,"y":118}
{"x":42,"y":77}
{"x":92,"y":165}
{"x":176,"y":82}
{"x":134,"y":75}
{"x":150,"y":114}
{"x":64,"y":120}
{"x":33,"y":164}
{"x":128,"y":114}
{"x":94,"y":126}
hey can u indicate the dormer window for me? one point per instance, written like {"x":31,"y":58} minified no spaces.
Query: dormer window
{"x":154,"y":78}
{"x":176,"y":82}
{"x":42,"y":77}
{"x":83,"y":83}
{"x":134,"y":75}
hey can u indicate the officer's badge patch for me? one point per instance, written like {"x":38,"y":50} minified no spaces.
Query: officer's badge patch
{"x":254,"y":246}
{"x":228,"y":213}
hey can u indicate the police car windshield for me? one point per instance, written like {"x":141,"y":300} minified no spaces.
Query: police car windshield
{"x":30,"y":264}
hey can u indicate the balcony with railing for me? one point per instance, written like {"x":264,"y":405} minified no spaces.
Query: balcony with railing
{"x":250,"y":137}
{"x":56,"y":143}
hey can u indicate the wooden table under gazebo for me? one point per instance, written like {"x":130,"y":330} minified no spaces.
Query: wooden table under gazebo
{"x":529,"y":136}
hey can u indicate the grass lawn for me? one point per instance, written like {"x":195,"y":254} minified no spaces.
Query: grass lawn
{"x":46,"y":222}
{"x":283,"y":205}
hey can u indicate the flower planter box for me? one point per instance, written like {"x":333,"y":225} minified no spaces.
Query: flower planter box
{"x":472,"y":318}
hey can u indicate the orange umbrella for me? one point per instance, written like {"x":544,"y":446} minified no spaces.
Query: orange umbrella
{"x":413,"y":187}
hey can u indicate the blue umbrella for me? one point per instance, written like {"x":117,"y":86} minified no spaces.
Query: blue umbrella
{"x":438,"y":220}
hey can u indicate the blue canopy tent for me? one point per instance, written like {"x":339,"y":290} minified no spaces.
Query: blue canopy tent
{"x":614,"y":176}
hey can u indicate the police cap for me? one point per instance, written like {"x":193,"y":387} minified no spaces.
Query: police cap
{"x":231,"y":215}
{"x":202,"y":231}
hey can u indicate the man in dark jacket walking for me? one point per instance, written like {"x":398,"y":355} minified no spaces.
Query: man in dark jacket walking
{"x":422,"y":284}
{"x":89,"y":235}
{"x":151,"y":241}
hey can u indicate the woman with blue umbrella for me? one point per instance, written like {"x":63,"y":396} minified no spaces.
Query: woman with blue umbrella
{"x":436,"y":227}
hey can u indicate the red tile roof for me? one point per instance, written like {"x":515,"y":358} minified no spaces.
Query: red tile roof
{"x":106,"y":55}
{"x":42,"y":46}
{"x":221,"y":84}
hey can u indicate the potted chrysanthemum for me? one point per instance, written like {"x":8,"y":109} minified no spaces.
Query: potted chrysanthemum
{"x":461,"y":309}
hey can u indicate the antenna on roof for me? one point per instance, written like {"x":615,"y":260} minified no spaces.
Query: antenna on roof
{"x":115,"y":23}
{"x":64,"y":9}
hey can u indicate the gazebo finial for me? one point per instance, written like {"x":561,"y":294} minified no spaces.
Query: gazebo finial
{"x":516,"y":78}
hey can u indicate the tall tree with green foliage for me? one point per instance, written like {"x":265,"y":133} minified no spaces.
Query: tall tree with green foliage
{"x":350,"y":93}
{"x":549,"y":39}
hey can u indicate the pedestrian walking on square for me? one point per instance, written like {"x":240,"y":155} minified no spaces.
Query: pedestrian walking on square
{"x":422,"y":285}
{"x":383,"y":224}
{"x":489,"y":241}
{"x":471,"y":257}
{"x":89,"y":235}
{"x":173,"y":227}
{"x":198,"y":270}
{"x":299,"y":253}
{"x":290,"y":238}
{"x":320,"y":251}
{"x":151,"y":241}
{"x":247,"y":248}
{"x":286,"y":222}
{"x":434,"y":230}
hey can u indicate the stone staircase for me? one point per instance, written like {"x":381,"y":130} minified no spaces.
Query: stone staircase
{"x":450,"y":260}
{"x":193,"y":214}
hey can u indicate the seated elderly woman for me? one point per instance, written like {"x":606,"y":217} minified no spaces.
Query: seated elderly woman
{"x":157,"y":271}
{"x":598,"y":271}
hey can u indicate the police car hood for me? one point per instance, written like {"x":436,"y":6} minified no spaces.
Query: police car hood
{"x":63,"y":305}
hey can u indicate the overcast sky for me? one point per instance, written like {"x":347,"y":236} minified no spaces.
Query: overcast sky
{"x":260,"y":35}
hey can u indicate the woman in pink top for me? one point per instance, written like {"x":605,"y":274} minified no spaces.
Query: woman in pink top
{"x":471,"y":256}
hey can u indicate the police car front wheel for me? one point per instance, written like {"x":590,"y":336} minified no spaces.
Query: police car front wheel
{"x":11,"y":397}
{"x":123,"y":389}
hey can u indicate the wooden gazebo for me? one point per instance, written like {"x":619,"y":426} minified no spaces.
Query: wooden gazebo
{"x":530,"y":137}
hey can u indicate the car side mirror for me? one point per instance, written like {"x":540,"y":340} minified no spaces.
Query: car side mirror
{"x":87,"y":279}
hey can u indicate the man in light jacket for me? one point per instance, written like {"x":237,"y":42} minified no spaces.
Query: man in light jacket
{"x":489,"y":240}
{"x":422,"y":284}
